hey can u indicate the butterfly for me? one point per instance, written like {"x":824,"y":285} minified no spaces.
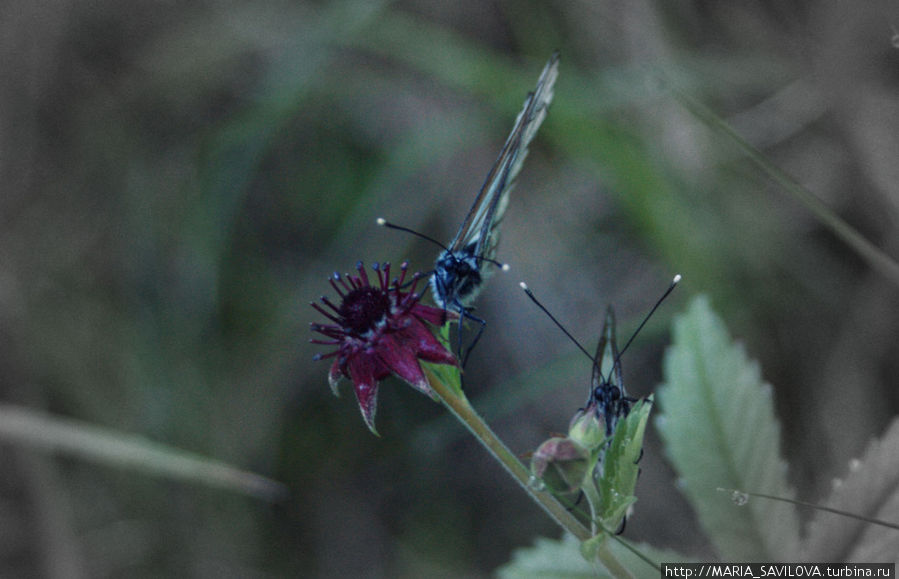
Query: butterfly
{"x":459,"y":271}
{"x":608,"y":397}
{"x":607,"y":394}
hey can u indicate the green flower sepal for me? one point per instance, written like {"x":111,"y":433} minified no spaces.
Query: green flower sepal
{"x":619,"y":468}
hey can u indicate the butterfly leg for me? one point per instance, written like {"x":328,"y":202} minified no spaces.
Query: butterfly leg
{"x":466,"y":313}
{"x":580,"y":496}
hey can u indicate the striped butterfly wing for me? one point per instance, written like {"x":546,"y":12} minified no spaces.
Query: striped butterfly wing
{"x":608,"y":385}
{"x":478,"y":235}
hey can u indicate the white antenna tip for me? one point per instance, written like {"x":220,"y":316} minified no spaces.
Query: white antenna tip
{"x":505,"y":267}
{"x":381,"y":221}
{"x":676,"y":279}
{"x":523,"y":285}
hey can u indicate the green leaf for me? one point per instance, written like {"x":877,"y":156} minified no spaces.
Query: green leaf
{"x":550,"y":558}
{"x":871,"y":489}
{"x":619,"y":466}
{"x":47,"y":433}
{"x":719,"y":429}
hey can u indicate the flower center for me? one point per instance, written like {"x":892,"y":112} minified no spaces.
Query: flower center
{"x":363,"y":308}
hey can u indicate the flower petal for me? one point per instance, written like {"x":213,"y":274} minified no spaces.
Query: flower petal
{"x":363,"y":370}
{"x":436,"y":316}
{"x":426,"y":345}
{"x":401,"y":357}
{"x":334,"y":376}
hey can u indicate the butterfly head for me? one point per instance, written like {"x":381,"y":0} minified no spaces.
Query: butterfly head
{"x":610,"y":404}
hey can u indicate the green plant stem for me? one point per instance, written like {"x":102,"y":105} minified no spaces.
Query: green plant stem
{"x":465,"y":413}
{"x":615,"y":568}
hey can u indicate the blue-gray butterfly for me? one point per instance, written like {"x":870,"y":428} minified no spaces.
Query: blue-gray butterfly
{"x":459,"y":272}
{"x":607,"y":388}
{"x":607,"y":393}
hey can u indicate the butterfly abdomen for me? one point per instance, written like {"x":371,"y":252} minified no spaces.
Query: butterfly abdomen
{"x":611,"y":404}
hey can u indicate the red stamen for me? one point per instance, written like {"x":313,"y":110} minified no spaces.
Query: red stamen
{"x":416,"y":277}
{"x":325,"y":313}
{"x":331,"y":305}
{"x":404,"y":267}
{"x":336,"y":332}
{"x":384,"y":276}
{"x":362,"y":274}
{"x":333,"y":281}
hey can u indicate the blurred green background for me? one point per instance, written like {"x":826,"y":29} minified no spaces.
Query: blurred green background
{"x":179,"y":179}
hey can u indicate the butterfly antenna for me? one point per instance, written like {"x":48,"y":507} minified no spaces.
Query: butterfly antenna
{"x":384,"y":223}
{"x":527,"y":290}
{"x":670,"y":289}
{"x":499,"y":264}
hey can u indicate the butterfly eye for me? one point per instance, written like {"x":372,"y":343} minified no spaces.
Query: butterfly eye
{"x":463,"y":268}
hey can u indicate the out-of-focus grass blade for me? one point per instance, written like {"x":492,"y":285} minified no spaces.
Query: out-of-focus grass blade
{"x":877,"y":259}
{"x":41,"y":431}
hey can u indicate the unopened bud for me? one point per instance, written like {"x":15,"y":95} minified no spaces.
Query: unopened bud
{"x":587,"y":429}
{"x":561,"y":464}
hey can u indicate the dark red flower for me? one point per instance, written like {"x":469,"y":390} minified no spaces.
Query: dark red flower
{"x":379,"y":330}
